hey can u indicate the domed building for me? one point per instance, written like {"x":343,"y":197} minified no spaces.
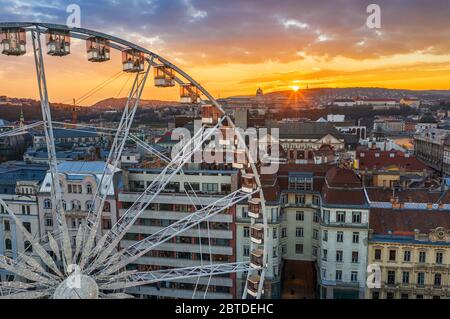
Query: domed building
{"x":427,"y":121}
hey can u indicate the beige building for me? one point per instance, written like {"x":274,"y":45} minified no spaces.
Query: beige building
{"x":412,"y":248}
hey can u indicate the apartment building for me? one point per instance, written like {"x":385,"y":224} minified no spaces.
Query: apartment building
{"x":19,"y":184}
{"x":79,"y":181}
{"x":318,"y":217}
{"x":412,"y":249}
{"x":429,"y":147}
{"x":212,"y":242}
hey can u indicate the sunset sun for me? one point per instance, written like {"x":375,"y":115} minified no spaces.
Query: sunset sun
{"x":295,"y":88}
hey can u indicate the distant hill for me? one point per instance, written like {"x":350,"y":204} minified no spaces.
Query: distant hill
{"x":113,"y":103}
{"x":361,"y":92}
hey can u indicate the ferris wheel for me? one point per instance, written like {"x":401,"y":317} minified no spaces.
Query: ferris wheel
{"x":95,"y":265}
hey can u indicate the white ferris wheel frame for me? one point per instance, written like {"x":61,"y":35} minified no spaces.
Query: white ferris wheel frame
{"x":97,"y":256}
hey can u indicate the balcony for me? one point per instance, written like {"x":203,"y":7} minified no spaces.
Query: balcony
{"x":248,"y":183}
{"x":254,"y":208}
{"x":253,"y":285}
{"x":257,"y":234}
{"x":256,"y":258}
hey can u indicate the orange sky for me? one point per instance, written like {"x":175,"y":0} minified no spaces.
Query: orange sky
{"x":234,"y":48}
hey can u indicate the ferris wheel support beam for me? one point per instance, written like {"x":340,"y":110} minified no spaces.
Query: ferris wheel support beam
{"x":140,"y":248}
{"x":50,"y":141}
{"x":116,"y":233}
{"x":122,"y":134}
{"x":151,"y":277}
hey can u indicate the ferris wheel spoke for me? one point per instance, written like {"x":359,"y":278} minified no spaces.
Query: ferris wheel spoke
{"x":94,"y":214}
{"x":20,"y":130}
{"x":140,"y":248}
{"x":151,"y":277}
{"x":40,"y":251}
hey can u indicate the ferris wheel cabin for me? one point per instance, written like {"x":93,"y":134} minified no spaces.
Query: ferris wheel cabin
{"x":256,"y":258}
{"x":133,"y":61}
{"x":98,"y":49}
{"x":58,"y":43}
{"x":164,"y":76}
{"x":13,"y":41}
{"x":189,"y":94}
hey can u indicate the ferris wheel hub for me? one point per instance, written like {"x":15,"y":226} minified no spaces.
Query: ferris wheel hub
{"x":77,"y":287}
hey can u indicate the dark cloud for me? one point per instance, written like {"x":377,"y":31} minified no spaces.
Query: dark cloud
{"x":244,"y":31}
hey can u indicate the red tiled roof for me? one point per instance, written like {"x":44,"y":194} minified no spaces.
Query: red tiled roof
{"x":375,"y":159}
{"x":343,"y":196}
{"x":421,"y":195}
{"x":342,"y":177}
{"x":383,"y":221}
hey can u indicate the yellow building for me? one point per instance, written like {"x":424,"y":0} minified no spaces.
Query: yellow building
{"x":412,"y":250}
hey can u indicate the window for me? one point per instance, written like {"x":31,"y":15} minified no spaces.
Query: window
{"x":422,"y":257}
{"x":76,"y":205}
{"x":8,"y":244}
{"x":299,"y":248}
{"x":246,"y":251}
{"x":354,"y":276}
{"x":338,"y":275}
{"x":390,"y":295}
{"x":439,"y":258}
{"x":27,"y":226}
{"x":340,"y":237}
{"x":274,"y":252}
{"x":419,"y":297}
{"x":325,"y":235}
{"x":407,"y":256}
{"x":89,"y":205}
{"x":299,"y":232}
{"x":210,"y":187}
{"x":49,"y":221}
{"x":299,"y":199}
{"x":246,"y":232}
{"x":356,"y":238}
{"x":437,"y":279}
{"x":325,"y":255}
{"x":275,"y":233}
{"x":391,"y":277}
{"x":47,"y":204}
{"x":376,"y":295}
{"x":283,"y":233}
{"x":283,"y":249}
{"x":107,"y":207}
{"x":421,"y":278}
{"x":392,"y":255}
{"x":28,"y":247}
{"x":405,"y":277}
{"x":326,"y":216}
{"x":314,"y":251}
{"x":356,"y":217}
{"x":300,"y":216}
{"x":355,"y":257}
{"x":340,"y":217}
{"x":404,"y":296}
{"x":7,"y":225}
{"x":192,"y":187}
{"x":377,"y":254}
{"x":316,"y":217}
{"x":339,"y":255}
{"x":89,"y":188}
{"x":315,"y":234}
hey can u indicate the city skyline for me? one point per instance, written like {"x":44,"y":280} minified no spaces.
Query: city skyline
{"x":234,"y":48}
